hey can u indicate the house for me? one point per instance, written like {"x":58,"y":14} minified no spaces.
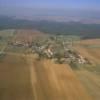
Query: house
{"x":48,"y":52}
{"x":81,"y":60}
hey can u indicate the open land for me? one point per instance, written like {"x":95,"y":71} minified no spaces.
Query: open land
{"x":90,"y":75}
{"x":27,"y":79}
{"x":23,"y":77}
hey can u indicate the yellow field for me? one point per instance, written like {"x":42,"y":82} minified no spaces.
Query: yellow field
{"x":23,"y":78}
{"x":91,"y":82}
{"x":91,"y":53}
{"x":91,"y":41}
{"x":90,"y":76}
{"x":15,"y":81}
{"x":28,"y":35}
{"x":55,"y":82}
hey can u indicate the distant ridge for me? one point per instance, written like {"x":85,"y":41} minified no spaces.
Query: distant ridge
{"x":52,"y":27}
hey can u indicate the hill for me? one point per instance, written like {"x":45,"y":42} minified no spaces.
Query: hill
{"x":65,"y":28}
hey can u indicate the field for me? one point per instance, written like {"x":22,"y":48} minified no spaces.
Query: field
{"x":55,"y":82}
{"x":91,"y":42}
{"x":89,"y":48}
{"x":90,"y":75}
{"x":7,"y":33}
{"x":15,"y":81}
{"x":24,"y":37}
{"x":22,"y":77}
{"x":28,"y":35}
{"x":91,"y":82}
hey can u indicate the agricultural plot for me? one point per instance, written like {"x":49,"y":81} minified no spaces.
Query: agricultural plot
{"x":95,"y":52}
{"x":89,"y":75}
{"x":15,"y":81}
{"x":91,"y":42}
{"x":7,"y":33}
{"x":90,"y":78}
{"x":23,"y":39}
{"x":90,"y":49}
{"x":22,"y":77}
{"x":15,"y":49}
{"x":55,"y":82}
{"x":28,"y":35}
{"x":5,"y":36}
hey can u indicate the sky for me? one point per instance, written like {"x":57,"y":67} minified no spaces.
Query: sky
{"x":80,"y":4}
{"x":48,"y":6}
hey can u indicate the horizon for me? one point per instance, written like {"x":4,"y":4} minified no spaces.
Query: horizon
{"x":63,"y":10}
{"x":83,"y":5}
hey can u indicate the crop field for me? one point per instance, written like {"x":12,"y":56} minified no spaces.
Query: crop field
{"x":91,"y":42}
{"x":55,"y":82}
{"x":91,"y":81}
{"x":22,"y":77}
{"x":14,"y":79}
{"x":90,"y":49}
{"x":5,"y":36}
{"x":95,"y":52}
{"x":28,"y":35}
{"x":89,"y":75}
{"x":16,"y":49}
{"x":24,"y":37}
{"x":7,"y":33}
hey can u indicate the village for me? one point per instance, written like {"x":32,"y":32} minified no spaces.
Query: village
{"x":49,"y":61}
{"x":56,"y":48}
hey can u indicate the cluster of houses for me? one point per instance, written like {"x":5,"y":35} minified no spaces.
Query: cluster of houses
{"x":62,"y":54}
{"x":60,"y":51}
{"x":19,"y":43}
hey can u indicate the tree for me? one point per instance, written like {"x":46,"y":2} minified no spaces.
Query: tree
{"x":73,"y":65}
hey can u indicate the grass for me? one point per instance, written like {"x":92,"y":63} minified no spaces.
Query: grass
{"x":7,"y":33}
{"x":16,"y":49}
{"x":95,"y":69}
{"x":92,"y":46}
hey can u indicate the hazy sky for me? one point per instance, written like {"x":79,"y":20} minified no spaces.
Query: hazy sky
{"x":48,"y":6}
{"x":82,"y":4}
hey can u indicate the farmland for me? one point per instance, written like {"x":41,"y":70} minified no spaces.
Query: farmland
{"x":28,"y":70}
{"x":14,"y":79}
{"x":23,"y":78}
{"x":52,"y":81}
{"x":90,"y":75}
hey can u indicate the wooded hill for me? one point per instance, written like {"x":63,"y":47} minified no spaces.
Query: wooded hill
{"x":65,"y":28}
